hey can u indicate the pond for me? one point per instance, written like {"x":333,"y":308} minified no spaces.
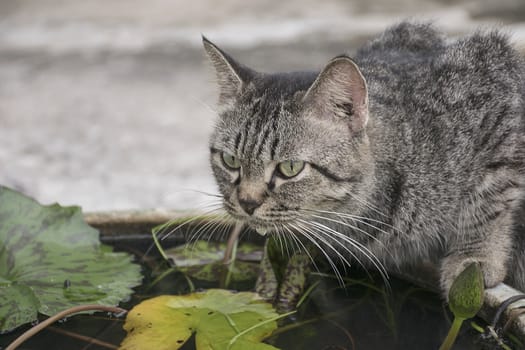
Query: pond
{"x":362,"y":314}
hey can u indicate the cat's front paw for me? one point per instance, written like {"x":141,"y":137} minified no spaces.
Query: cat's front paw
{"x":493,"y":271}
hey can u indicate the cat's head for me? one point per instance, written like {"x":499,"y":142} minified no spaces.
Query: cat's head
{"x":290,"y":146}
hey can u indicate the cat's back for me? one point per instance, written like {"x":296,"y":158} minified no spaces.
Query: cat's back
{"x":402,"y":43}
{"x":449,"y":107}
{"x":414,"y":67}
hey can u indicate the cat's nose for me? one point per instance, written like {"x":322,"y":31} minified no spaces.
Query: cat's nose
{"x":249,"y":205}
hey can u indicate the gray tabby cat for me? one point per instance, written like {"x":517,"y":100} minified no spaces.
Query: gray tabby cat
{"x":412,"y":150}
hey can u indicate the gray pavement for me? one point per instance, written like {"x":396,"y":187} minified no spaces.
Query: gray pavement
{"x":108,"y":104}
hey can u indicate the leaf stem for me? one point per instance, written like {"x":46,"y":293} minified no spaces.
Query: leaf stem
{"x":34,"y":330}
{"x":232,"y":323}
{"x":160,"y":278}
{"x":157,"y":244}
{"x":307,"y":293}
{"x":240,"y":334}
{"x":452,"y":334}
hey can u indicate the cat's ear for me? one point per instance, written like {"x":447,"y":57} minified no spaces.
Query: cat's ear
{"x":232,"y":77}
{"x":340,"y":90}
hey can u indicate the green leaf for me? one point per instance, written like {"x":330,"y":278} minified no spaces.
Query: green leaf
{"x":203,"y":260}
{"x":51,"y":260}
{"x":467,"y":292}
{"x":217,"y":317}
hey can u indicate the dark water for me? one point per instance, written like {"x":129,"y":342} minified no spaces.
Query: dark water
{"x":362,"y":315}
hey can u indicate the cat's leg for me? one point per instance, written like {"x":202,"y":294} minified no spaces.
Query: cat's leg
{"x":517,"y":265}
{"x":266,"y":285}
{"x":286,"y":286}
{"x":485,"y":235}
{"x":490,"y":247}
{"x":293,"y":283}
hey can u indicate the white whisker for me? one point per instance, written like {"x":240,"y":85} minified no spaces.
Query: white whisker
{"x":209,"y":194}
{"x":355,"y":244}
{"x":204,"y":230}
{"x":358,"y":218}
{"x":300,"y":245}
{"x":355,"y":228}
{"x":367,"y":204}
{"x":344,"y":223}
{"x":320,"y":230}
{"x":191,"y":218}
{"x":306,"y":233}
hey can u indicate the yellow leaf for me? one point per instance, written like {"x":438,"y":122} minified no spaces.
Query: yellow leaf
{"x":216,"y":317}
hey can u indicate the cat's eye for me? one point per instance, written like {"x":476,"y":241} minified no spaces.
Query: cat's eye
{"x":290,"y":168}
{"x":231,"y":162}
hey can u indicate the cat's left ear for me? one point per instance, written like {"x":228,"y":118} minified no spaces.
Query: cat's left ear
{"x":232,"y":76}
{"x":340,"y":90}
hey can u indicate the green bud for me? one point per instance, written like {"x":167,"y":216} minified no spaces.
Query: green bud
{"x":467,"y":292}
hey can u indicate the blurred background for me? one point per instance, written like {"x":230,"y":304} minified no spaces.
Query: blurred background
{"x":108,"y":104}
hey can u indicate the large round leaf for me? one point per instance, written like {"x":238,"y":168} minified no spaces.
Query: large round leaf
{"x":50,"y":260}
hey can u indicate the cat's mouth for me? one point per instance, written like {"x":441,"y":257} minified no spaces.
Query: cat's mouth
{"x":262,"y":230}
{"x":259,"y":224}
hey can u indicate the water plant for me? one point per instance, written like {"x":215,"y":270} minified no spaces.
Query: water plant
{"x":466,"y":297}
{"x":51,"y":260}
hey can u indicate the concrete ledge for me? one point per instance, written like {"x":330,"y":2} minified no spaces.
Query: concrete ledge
{"x":118,"y":223}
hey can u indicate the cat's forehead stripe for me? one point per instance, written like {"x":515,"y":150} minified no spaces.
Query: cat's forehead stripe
{"x":275,"y":143}
{"x":267,"y":131}
{"x":245,"y":133}
{"x":255,"y":135}
{"x":237,"y":141}
{"x":270,"y":130}
{"x":259,"y":111}
{"x":273,"y":149}
{"x":263,"y":136}
{"x":258,"y":128}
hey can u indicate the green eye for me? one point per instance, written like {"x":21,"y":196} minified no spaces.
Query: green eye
{"x":290,"y":168}
{"x":230,"y":161}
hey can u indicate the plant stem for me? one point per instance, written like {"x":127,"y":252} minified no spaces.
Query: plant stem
{"x":240,"y":334}
{"x":89,"y":340}
{"x":34,"y":330}
{"x":231,"y":264}
{"x":307,"y":294}
{"x":157,"y":244}
{"x":452,"y":334}
{"x":234,"y":235}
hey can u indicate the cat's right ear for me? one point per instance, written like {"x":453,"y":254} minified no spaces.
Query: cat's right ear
{"x":232,"y":77}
